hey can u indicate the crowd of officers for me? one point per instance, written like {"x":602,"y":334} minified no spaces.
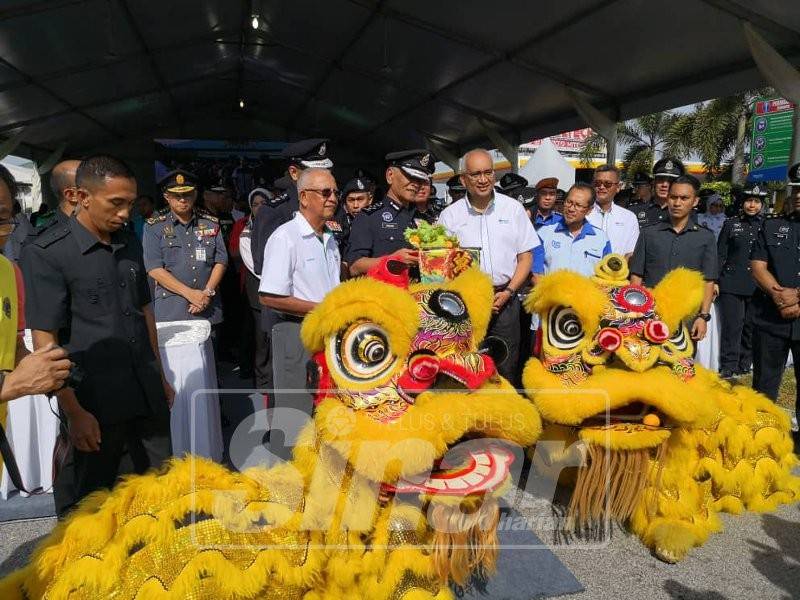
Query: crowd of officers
{"x":96,"y":285}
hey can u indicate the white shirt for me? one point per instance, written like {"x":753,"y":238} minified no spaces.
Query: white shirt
{"x":297,"y":263}
{"x":502,"y":232}
{"x":619,"y":224}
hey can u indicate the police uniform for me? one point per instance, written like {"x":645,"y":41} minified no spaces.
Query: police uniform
{"x":777,"y":244}
{"x":342,"y":221}
{"x":660,"y":249}
{"x":650,"y":213}
{"x":96,"y":292}
{"x":189,"y":251}
{"x":736,"y":287}
{"x":21,"y":232}
{"x":510,"y":184}
{"x":378,"y":229}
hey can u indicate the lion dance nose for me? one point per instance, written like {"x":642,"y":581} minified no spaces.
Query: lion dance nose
{"x":423,"y":369}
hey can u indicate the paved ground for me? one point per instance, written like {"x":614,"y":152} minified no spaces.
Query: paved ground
{"x":756,"y":557}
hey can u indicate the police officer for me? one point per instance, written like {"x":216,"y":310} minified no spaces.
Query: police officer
{"x":665,"y":171}
{"x":356,"y":196}
{"x":736,"y":285}
{"x":455,"y":189}
{"x":378,"y":230}
{"x":775,"y":262}
{"x":642,"y":188}
{"x":281,"y":209}
{"x":678,"y":242}
{"x":426,"y":202}
{"x":185,"y":254}
{"x":89,"y":275}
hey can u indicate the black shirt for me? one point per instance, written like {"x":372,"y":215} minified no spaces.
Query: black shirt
{"x":649,"y":213}
{"x":378,"y":230}
{"x":269,"y":217}
{"x":95,"y":292}
{"x":660,"y":249}
{"x":777,"y":244}
{"x":733,"y":251}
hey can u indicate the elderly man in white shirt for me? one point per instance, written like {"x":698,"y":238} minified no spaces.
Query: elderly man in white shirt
{"x":498,"y":225}
{"x":301,"y":265}
{"x":618,"y":223}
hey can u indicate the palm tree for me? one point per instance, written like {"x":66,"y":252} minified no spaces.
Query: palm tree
{"x":718,"y":132}
{"x":642,"y":139}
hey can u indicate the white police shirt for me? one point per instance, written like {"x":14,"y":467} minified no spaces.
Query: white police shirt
{"x":298,"y":263}
{"x":619,"y":224}
{"x":501,"y":232}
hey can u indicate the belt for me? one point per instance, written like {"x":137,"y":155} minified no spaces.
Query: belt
{"x":281,"y":317}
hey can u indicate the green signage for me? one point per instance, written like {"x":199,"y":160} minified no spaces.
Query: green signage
{"x":772,"y":139}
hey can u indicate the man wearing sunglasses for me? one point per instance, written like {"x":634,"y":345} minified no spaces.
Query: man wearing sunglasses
{"x":618,"y":223}
{"x":378,"y":230}
{"x":301,"y":265}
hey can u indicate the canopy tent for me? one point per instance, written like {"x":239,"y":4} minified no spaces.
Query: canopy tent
{"x":548,"y":162}
{"x":373,"y":75}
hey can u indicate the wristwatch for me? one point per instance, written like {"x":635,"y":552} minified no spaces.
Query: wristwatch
{"x":705,"y":316}
{"x":210,"y":293}
{"x":510,"y":290}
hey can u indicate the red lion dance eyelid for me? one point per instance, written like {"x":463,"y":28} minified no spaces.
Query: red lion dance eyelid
{"x":392,"y":271}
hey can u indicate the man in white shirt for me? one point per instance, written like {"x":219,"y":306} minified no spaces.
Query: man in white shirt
{"x":498,"y":225}
{"x":619,"y":224}
{"x":301,"y":265}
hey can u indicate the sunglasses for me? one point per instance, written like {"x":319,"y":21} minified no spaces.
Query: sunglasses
{"x":325,"y":192}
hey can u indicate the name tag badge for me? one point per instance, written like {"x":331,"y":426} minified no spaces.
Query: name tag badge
{"x":388,"y":225}
{"x":503,"y":221}
{"x":200,"y":254}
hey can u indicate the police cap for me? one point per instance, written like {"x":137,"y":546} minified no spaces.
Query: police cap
{"x":794,"y":175}
{"x":510,"y":183}
{"x":753,"y":189}
{"x":642,"y":178}
{"x":178,"y":182}
{"x":308,"y":154}
{"x":526,"y":196}
{"x":454,"y":184}
{"x":355,"y":185}
{"x":417,"y":164}
{"x":668,"y":167}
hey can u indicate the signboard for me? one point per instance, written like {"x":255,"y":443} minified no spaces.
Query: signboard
{"x":772,"y":139}
{"x":569,"y":142}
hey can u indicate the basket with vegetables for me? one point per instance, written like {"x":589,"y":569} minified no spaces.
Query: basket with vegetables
{"x":440,"y":256}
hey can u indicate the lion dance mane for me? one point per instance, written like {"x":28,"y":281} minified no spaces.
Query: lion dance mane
{"x":391,"y":492}
{"x":660,"y":443}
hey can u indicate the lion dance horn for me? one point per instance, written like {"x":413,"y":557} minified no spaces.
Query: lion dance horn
{"x":390,"y":270}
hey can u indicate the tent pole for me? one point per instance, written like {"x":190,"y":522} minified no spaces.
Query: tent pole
{"x":599,"y":122}
{"x":507,"y":148}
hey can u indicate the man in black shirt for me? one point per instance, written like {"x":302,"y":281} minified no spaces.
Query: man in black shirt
{"x":775,"y":262}
{"x":88,"y":276}
{"x":678,"y":242}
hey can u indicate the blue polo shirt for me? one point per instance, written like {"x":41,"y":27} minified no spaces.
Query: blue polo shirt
{"x":562,"y":251}
{"x":540,"y":221}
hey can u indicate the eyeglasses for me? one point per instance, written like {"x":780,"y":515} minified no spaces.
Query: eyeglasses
{"x":324,"y":192}
{"x":571,"y":204}
{"x":604,"y":184}
{"x":477,"y":175}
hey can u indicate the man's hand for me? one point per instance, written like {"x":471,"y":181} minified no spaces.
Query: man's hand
{"x":84,"y":431}
{"x":500,"y":300}
{"x":699,"y":328}
{"x":198,"y":299}
{"x":168,"y":392}
{"x":784,"y":297}
{"x":407,"y":256}
{"x":716,"y":291}
{"x":790,"y":312}
{"x":40,"y":372}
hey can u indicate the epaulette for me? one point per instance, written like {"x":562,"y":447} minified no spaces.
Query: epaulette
{"x":51,"y":235}
{"x":372,"y":208}
{"x":279,"y":199}
{"x":333,"y":226}
{"x":160,"y":215}
{"x":208,"y":216}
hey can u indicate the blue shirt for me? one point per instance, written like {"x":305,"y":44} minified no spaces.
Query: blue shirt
{"x":552,"y":219}
{"x":563,"y":251}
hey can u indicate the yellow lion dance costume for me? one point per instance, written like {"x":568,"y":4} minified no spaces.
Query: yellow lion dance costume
{"x":379,"y":500}
{"x":664,"y":444}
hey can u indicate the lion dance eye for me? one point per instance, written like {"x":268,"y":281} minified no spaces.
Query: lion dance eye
{"x":362,"y":351}
{"x":564,"y":328}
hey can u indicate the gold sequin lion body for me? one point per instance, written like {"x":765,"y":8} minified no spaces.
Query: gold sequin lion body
{"x":382,"y":498}
{"x":659,"y":442}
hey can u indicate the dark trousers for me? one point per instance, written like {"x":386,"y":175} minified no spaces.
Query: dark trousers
{"x":505,"y":325}
{"x":769,"y":361}
{"x":525,"y":340}
{"x":129,"y":447}
{"x":736,"y":347}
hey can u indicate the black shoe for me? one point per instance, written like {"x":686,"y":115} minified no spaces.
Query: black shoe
{"x":727,"y":374}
